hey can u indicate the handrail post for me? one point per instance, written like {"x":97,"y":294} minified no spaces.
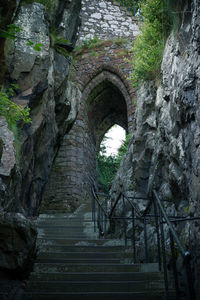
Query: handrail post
{"x":169,"y":224}
{"x":105,"y":223}
{"x":185,"y":254}
{"x":174,"y":265}
{"x":145,"y":240}
{"x":134,"y":11}
{"x":164,"y":257}
{"x":133,"y":235}
{"x":99,"y":219}
{"x":94,"y":212}
{"x":190,"y":288}
{"x":124,"y":221}
{"x":157,"y":233}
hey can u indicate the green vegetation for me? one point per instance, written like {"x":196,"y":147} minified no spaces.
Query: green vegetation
{"x":13,"y":113}
{"x":108,"y":165}
{"x":148,"y":47}
{"x":159,"y":18}
{"x":89,"y":44}
{"x":11,"y":33}
{"x":10,"y":110}
{"x":107,"y":168}
{"x":96,"y":43}
{"x":120,"y":41}
{"x":59,"y":43}
{"x":93,"y":53}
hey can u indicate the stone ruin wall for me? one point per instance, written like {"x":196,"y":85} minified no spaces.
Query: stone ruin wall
{"x":74,"y":168}
{"x":107,"y":20}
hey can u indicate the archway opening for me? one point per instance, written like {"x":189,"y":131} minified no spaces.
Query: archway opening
{"x":113,"y":146}
{"x":112,"y":141}
{"x":105,"y":107}
{"x":106,"y":100}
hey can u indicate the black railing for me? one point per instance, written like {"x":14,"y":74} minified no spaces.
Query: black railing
{"x":102,"y":214}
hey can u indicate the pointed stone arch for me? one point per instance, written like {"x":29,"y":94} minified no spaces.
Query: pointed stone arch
{"x":107,"y":99}
{"x":111,"y":74}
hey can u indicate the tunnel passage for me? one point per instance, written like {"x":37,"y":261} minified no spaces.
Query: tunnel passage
{"x":106,"y":101}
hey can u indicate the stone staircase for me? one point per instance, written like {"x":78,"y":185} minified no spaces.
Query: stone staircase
{"x":73,"y":263}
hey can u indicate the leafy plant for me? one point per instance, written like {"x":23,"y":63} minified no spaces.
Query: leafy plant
{"x":107,"y":168}
{"x":148,"y":48}
{"x":59,"y":43}
{"x":11,"y":33}
{"x":160,"y":17}
{"x":109,"y":165}
{"x":89,"y":43}
{"x":13,"y":113}
{"x":10,"y":110}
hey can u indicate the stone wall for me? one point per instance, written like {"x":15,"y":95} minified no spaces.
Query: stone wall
{"x":44,"y":87}
{"x":25,"y":162}
{"x":101,"y":71}
{"x":106,"y":99}
{"x":107,"y":20}
{"x":164,"y":152}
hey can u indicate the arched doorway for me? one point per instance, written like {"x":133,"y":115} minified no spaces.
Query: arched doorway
{"x":106,"y":101}
{"x":109,"y":156}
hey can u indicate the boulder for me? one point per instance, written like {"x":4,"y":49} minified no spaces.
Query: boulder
{"x":17,"y":243}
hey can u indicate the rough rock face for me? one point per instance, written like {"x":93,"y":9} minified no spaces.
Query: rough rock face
{"x":7,"y":149}
{"x":7,"y":166}
{"x":43,"y":85}
{"x":165,"y":149}
{"x":17,"y":243}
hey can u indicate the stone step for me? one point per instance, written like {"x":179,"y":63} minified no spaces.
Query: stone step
{"x":59,"y":233}
{"x":83,"y":255}
{"x":77,"y":242}
{"x":87,"y":267}
{"x":153,"y":295}
{"x":63,"y":220}
{"x":95,"y":286}
{"x":99,"y":248}
{"x":81,"y":260}
{"x":97,"y":276}
{"x":62,"y":235}
{"x":57,"y":228}
{"x":71,"y":266}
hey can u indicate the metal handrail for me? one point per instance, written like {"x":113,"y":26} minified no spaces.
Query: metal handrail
{"x":98,"y":202}
{"x":183,"y":252}
{"x":161,"y":218}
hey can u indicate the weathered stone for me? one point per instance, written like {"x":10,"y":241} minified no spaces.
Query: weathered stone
{"x":105,"y":13}
{"x":42,"y":78}
{"x":17,"y":243}
{"x":165,"y":144}
{"x":7,"y":149}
